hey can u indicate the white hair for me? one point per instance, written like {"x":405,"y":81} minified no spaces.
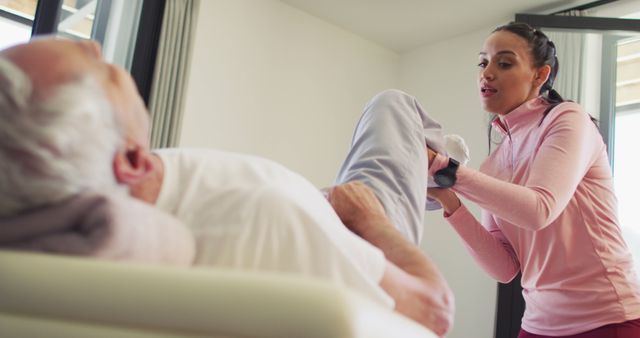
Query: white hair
{"x":53,"y":147}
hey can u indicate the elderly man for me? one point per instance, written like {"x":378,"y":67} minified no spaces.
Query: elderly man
{"x":71,"y":123}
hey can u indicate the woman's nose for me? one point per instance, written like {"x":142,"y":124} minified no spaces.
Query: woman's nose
{"x":487,"y":73}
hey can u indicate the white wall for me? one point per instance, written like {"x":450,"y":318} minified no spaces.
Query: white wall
{"x":271,"y":80}
{"x":443,"y":76}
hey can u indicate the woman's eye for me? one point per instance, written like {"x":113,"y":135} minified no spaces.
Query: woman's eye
{"x":482,"y":64}
{"x":504,"y":64}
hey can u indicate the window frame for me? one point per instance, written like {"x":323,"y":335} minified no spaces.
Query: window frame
{"x":17,"y":18}
{"x":46,"y":18}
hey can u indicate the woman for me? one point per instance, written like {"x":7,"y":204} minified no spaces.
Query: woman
{"x":549,"y":210}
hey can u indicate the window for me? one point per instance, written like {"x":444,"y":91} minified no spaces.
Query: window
{"x":113,"y":23}
{"x":77,"y":18}
{"x":16,"y":19}
{"x":626,"y":164}
{"x":128,"y":30}
{"x":628,"y":75}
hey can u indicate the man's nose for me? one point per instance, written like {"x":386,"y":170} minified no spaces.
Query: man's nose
{"x":92,"y":47}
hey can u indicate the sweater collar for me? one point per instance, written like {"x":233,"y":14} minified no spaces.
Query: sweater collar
{"x":521,"y":116}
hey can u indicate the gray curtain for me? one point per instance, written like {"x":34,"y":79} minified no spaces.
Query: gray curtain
{"x":570,"y":48}
{"x":166,"y":101}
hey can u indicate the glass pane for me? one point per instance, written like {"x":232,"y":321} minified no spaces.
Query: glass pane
{"x":627,"y":182}
{"x":627,"y":124}
{"x":77,"y":17}
{"x":113,"y":23}
{"x":16,"y":19}
{"x":13,"y":32}
{"x":628,"y":73}
{"x":25,"y":8}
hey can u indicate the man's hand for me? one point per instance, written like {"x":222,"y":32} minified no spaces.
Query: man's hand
{"x":426,"y":299}
{"x":410,"y":278}
{"x":431,"y":155}
{"x":357,"y":206}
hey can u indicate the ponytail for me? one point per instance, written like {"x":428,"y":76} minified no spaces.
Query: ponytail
{"x":554,"y":99}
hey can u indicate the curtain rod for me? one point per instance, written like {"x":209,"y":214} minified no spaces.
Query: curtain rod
{"x":586,"y":6}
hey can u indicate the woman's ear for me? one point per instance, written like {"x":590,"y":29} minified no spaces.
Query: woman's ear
{"x":132,"y":164}
{"x":542,"y":75}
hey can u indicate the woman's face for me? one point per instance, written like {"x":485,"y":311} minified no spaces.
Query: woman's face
{"x":508,"y":77}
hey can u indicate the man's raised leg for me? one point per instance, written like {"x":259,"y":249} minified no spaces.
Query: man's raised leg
{"x":388,"y":154}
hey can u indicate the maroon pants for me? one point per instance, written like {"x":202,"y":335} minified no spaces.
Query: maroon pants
{"x":628,"y":329}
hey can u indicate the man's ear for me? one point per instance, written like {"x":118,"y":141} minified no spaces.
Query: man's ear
{"x":132,"y":164}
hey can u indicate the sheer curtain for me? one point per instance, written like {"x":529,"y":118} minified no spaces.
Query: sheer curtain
{"x":569,"y":48}
{"x":166,"y":101}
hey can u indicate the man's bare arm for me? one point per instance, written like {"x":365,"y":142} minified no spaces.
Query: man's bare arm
{"x":411,"y":279}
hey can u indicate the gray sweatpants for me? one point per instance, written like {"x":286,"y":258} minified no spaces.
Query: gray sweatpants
{"x":388,"y":154}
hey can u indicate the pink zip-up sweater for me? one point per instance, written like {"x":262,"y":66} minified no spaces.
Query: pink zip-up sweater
{"x":549,"y":210}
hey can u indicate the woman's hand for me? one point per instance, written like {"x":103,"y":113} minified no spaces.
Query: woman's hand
{"x":449,"y":200}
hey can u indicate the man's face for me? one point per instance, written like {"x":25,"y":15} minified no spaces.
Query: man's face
{"x":49,"y":62}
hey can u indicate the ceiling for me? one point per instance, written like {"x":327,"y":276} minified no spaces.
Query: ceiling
{"x":403,"y":25}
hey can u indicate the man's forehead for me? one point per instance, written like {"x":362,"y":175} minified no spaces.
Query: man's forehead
{"x":49,"y":62}
{"x":49,"y":48}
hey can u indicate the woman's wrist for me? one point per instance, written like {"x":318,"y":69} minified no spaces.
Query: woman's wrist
{"x":450,"y":203}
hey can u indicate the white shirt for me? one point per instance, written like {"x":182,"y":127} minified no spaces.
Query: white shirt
{"x":253,"y":214}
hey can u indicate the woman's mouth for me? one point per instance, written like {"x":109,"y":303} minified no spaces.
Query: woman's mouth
{"x":487,"y":91}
